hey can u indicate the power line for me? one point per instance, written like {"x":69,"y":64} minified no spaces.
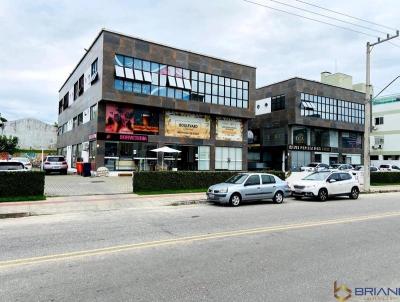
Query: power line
{"x":343,"y":14}
{"x":325,"y":16}
{"x":308,"y":18}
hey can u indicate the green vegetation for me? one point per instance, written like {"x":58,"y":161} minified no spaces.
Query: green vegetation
{"x":385,"y":178}
{"x":17,"y":184}
{"x":8,"y":144}
{"x":23,"y":198}
{"x":170,"y":191}
{"x":181,"y":181}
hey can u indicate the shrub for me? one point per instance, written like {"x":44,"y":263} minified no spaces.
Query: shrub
{"x":176,"y":180}
{"x":385,"y":177}
{"x":28,"y":183}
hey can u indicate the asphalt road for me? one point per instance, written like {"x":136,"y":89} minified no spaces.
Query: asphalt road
{"x":257,"y":252}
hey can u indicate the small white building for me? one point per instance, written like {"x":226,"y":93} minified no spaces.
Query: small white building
{"x":385,"y":137}
{"x":32,"y":134}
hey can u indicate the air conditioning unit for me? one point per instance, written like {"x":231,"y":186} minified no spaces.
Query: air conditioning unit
{"x":375,"y":146}
{"x":380,"y":146}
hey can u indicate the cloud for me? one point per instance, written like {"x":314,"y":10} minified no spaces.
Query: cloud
{"x":43,"y":40}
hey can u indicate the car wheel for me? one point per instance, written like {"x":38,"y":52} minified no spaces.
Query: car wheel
{"x":235,"y":200}
{"x":323,"y":195}
{"x":278,"y":198}
{"x":354,"y":193}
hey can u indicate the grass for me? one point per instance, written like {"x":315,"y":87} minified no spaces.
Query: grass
{"x":23,"y":198}
{"x":171,"y":191}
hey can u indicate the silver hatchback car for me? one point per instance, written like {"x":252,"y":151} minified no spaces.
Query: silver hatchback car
{"x":249,"y":186}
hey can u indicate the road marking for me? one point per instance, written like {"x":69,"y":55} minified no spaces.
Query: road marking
{"x":190,"y":239}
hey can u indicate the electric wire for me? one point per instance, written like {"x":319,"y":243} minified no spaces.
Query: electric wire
{"x":326,"y":16}
{"x":312,"y":19}
{"x":346,"y":15}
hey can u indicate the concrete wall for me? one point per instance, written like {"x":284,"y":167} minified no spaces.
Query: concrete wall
{"x":31,"y":133}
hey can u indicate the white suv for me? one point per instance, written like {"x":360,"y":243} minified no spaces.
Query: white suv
{"x":325,"y":184}
{"x":315,"y":167}
{"x":389,"y":168}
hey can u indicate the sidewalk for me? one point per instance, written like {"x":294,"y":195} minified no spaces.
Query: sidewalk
{"x":385,"y":189}
{"x":54,"y":205}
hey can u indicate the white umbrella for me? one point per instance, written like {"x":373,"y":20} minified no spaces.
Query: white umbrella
{"x":163,"y":150}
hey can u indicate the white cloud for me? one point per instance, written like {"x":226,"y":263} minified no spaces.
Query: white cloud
{"x":43,"y":40}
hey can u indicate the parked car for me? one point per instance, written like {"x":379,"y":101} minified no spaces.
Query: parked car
{"x":26,"y":161}
{"x":11,"y":165}
{"x":389,"y":168}
{"x":323,"y":184}
{"x":361,"y":168}
{"x":249,"y":186}
{"x":315,"y":167}
{"x":55,"y":163}
{"x":341,"y":167}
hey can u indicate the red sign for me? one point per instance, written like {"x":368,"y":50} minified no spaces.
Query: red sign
{"x":133,"y":138}
{"x":122,"y":137}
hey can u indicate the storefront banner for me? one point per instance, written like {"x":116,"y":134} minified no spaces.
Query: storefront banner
{"x":188,"y":125}
{"x":229,"y":129}
{"x":121,"y":118}
{"x":300,"y":136}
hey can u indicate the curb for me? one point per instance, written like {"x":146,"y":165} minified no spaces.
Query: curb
{"x":188,"y":202}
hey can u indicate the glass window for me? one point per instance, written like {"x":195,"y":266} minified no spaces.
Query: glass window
{"x":128,"y":86}
{"x":163,"y":91}
{"x":171,"y":81}
{"x":128,"y":62}
{"x":146,"y":88}
{"x":179,"y":82}
{"x":178,"y":72}
{"x":227,"y":91}
{"x":147,"y":76}
{"x":185,"y":95}
{"x":215,"y":89}
{"x":154,"y":90}
{"x":163,"y":80}
{"x":221,"y":100}
{"x":138,"y":75}
{"x":208,"y":88}
{"x":171,"y":93}
{"x":240,"y":84}
{"x":154,"y":78}
{"x":201,"y":76}
{"x":119,"y":72}
{"x":195,"y":75}
{"x":227,"y":101}
{"x":137,"y":87}
{"x":194,"y":86}
{"x":227,"y":82}
{"x":245,"y":85}
{"x":129,"y":73}
{"x":221,"y":81}
{"x":155,"y":67}
{"x":245,"y":104}
{"x":93,"y":112}
{"x":137,"y":64}
{"x":208,"y":78}
{"x":201,"y":87}
{"x":233,"y":83}
{"x":171,"y":71}
{"x":178,"y":94}
{"x":146,"y":66}
{"x":208,"y":98}
{"x":119,"y":84}
{"x":203,"y":158}
{"x":233,"y":92}
{"x":119,"y":60}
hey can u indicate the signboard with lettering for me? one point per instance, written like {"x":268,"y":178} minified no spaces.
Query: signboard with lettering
{"x":122,"y":137}
{"x":229,"y":129}
{"x":308,"y":148}
{"x":179,"y":124}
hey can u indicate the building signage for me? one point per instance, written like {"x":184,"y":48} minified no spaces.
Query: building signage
{"x":125,"y":119}
{"x":188,"y":125}
{"x":300,"y":136}
{"x":123,"y":137}
{"x":93,"y":137}
{"x":229,"y":129}
{"x":308,"y":148}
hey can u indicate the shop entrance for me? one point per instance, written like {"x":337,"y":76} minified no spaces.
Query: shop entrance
{"x":191,"y":158}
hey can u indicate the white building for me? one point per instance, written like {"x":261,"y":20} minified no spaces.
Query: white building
{"x":385,"y":137}
{"x":32,"y":133}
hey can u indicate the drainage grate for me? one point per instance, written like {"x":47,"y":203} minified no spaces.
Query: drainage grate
{"x":97,"y":181}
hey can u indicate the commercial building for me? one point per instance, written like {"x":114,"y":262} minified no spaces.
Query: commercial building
{"x":299,"y":121}
{"x":128,"y":96}
{"x":385,"y":136}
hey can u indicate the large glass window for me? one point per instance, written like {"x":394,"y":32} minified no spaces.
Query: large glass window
{"x":331,"y":109}
{"x":228,"y":158}
{"x":203,"y":158}
{"x":195,"y":85}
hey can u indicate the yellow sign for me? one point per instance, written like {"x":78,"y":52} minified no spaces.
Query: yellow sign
{"x":229,"y":130}
{"x":188,"y":125}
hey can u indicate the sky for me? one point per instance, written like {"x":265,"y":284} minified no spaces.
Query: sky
{"x":42,"y":41}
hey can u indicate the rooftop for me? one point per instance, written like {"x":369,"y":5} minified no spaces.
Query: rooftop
{"x":386,"y":99}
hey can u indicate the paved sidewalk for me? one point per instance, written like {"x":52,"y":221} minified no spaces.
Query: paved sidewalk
{"x":54,"y":205}
{"x":385,"y":189}
{"x":75,"y":185}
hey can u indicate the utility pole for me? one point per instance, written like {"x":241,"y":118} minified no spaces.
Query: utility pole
{"x":368,"y":110}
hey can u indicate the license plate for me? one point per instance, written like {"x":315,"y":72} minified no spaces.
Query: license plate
{"x":56,"y":167}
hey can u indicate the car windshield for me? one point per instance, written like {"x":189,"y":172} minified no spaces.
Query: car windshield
{"x":237,"y":179}
{"x":55,"y":159}
{"x":312,"y":165}
{"x":317,"y":176}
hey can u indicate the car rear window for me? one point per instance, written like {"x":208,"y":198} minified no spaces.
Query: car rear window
{"x":55,"y":159}
{"x":7,"y":166}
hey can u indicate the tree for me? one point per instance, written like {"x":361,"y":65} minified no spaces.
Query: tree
{"x":8,"y":144}
{"x":2,"y":119}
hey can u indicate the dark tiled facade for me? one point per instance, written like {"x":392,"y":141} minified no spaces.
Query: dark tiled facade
{"x":103,"y":92}
{"x":274,"y":144}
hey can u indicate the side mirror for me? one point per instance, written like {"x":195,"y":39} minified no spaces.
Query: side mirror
{"x":331,"y":180}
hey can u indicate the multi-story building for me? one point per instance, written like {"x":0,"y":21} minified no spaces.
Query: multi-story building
{"x":385,"y":136}
{"x":299,"y":121}
{"x":128,"y":96}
